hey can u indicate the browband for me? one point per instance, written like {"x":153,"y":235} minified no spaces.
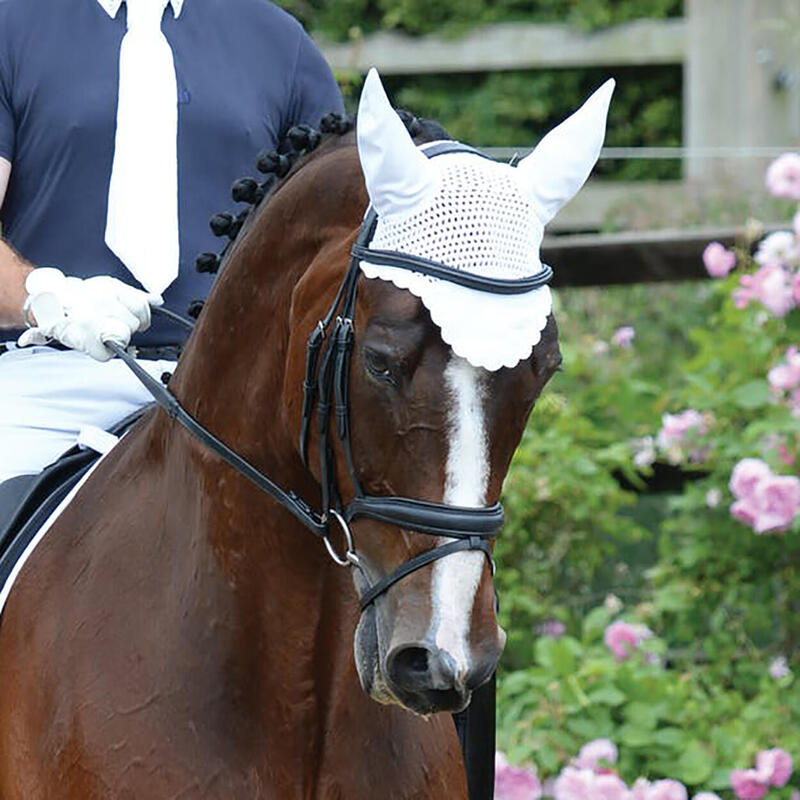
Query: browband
{"x":391,"y":258}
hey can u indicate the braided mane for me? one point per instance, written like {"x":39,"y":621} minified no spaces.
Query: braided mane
{"x":277,"y":165}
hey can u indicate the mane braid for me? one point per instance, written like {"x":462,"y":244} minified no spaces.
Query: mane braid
{"x":277,"y":166}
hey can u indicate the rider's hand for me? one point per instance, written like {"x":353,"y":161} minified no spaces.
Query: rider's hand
{"x":82,"y":313}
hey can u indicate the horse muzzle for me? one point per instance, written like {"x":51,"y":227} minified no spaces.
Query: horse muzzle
{"x":427,"y":679}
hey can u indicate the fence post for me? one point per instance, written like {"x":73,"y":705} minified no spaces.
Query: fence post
{"x":741,"y":83}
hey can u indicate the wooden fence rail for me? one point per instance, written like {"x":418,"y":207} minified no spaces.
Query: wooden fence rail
{"x":513,"y":45}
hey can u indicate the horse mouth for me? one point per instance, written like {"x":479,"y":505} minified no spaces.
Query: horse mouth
{"x":434,"y":701}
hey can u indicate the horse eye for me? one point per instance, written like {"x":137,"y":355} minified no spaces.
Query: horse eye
{"x":378,"y":367}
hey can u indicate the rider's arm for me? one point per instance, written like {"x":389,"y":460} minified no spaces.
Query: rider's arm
{"x":13,"y":270}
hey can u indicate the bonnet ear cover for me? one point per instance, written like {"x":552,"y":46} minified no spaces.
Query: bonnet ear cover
{"x":563,"y":159}
{"x":476,"y":216}
{"x":398,"y":176}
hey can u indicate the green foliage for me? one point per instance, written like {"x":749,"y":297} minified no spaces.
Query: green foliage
{"x":347,"y":18}
{"x":573,"y":534}
{"x":739,"y":590}
{"x":668,"y":723}
{"x":722,"y":600}
{"x":554,"y":513}
{"x":515,"y":109}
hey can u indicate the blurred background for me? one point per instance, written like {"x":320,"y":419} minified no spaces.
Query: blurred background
{"x":649,"y":568}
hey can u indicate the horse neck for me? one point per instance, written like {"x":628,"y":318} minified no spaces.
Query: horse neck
{"x":232,"y":373}
{"x":231,"y":379}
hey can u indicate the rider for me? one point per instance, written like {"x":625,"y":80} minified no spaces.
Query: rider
{"x":96,"y":171}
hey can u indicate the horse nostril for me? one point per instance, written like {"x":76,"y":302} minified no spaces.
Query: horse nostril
{"x":421,"y":668}
{"x":412,"y":661}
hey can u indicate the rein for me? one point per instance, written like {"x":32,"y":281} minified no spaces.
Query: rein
{"x":326,"y":385}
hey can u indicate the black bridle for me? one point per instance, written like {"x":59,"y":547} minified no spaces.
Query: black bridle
{"x":326,"y":386}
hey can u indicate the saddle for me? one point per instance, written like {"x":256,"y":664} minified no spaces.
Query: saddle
{"x":27,"y":501}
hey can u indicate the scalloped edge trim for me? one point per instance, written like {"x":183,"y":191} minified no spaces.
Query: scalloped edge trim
{"x":403,"y":279}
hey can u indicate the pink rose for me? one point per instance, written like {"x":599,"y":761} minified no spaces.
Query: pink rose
{"x":747,"y":784}
{"x":783,"y":176}
{"x":767,"y":503}
{"x":514,"y":783}
{"x":609,"y":787}
{"x":777,"y":500}
{"x":706,"y":796}
{"x":677,"y":430}
{"x":592,"y":753}
{"x":640,"y":789}
{"x":773,"y":289}
{"x":622,"y":638}
{"x":774,"y":766}
{"x":744,"y":512}
{"x":718,"y":260}
{"x":746,"y":474}
{"x":780,"y":248}
{"x":581,"y":784}
{"x":785,"y":377}
{"x":771,"y":286}
{"x":623,"y":337}
{"x":667,"y":790}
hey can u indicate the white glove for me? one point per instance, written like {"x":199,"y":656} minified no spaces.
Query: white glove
{"x":82,"y":313}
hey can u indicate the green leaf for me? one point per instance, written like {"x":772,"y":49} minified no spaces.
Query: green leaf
{"x":642,"y":715}
{"x":670,"y":737}
{"x":695,"y":764}
{"x":607,"y":695}
{"x":633,"y":736}
{"x":595,"y":622}
{"x":672,"y":597}
{"x":754,"y":394}
{"x":557,"y":655}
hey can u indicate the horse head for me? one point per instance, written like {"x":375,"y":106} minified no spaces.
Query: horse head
{"x":442,"y":379}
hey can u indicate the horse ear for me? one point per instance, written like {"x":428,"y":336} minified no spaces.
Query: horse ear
{"x":397,"y":174}
{"x":563,"y":159}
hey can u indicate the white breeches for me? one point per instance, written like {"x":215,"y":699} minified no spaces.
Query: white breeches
{"x":47,"y":396}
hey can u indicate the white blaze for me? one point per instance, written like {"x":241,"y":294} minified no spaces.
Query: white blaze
{"x":456,"y":577}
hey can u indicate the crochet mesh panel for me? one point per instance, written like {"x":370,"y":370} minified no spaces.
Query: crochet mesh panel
{"x":479,"y":222}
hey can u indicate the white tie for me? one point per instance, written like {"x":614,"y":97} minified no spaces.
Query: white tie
{"x":142,"y":223}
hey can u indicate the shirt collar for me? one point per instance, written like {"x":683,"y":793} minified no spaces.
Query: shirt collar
{"x":111,"y":7}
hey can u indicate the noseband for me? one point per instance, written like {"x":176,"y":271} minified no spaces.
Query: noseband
{"x":326,"y":386}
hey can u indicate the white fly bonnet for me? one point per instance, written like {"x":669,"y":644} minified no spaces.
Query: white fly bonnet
{"x":476,"y":216}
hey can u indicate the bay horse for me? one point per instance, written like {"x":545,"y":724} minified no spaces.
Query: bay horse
{"x":178,"y":634}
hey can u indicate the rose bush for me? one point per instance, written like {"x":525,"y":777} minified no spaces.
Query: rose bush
{"x":706,"y":701}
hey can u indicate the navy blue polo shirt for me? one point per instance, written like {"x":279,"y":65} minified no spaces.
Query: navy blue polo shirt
{"x":246,"y":73}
